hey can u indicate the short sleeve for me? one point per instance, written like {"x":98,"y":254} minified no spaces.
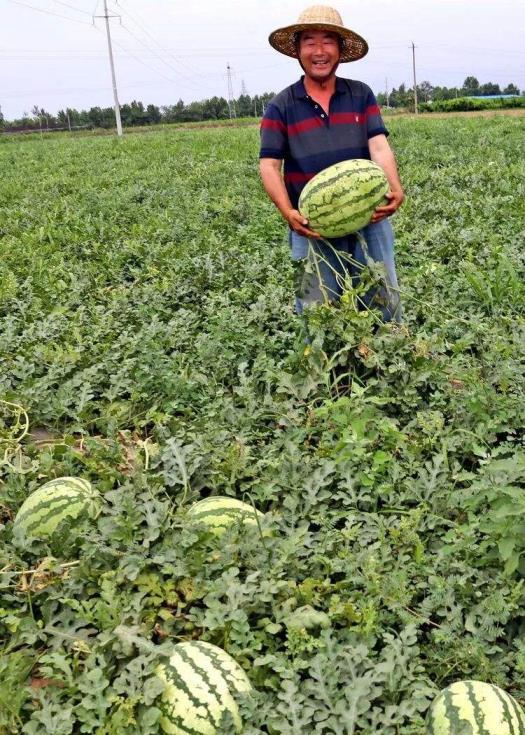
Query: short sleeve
{"x":273,"y":134}
{"x":374,"y":121}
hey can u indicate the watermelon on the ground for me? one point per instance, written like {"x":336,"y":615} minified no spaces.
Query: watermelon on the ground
{"x":51,"y":505}
{"x":218,"y":512}
{"x":201,"y":680}
{"x":341,"y":199}
{"x":474,"y":708}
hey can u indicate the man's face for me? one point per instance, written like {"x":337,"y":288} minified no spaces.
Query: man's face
{"x":319,"y":54}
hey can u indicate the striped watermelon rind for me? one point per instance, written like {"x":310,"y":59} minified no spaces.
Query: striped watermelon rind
{"x":200,"y":683}
{"x":474,"y":708}
{"x":341,"y":199}
{"x":218,"y":512}
{"x":57,"y":502}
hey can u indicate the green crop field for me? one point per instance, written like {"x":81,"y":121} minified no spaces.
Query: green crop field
{"x":148,"y":344}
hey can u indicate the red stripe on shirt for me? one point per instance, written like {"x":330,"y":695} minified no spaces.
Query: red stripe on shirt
{"x":348,"y":118}
{"x":373,"y":110}
{"x":273,"y":125}
{"x":297,"y":178}
{"x":305,"y":125}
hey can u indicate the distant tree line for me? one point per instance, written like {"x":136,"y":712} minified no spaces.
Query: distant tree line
{"x":135,"y":113}
{"x":217,"y":108}
{"x":404,"y":97}
{"x":464,"y":104}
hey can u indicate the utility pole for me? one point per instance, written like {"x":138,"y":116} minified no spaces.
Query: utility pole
{"x":112,"y":65}
{"x":386,"y":92}
{"x":415,"y":83}
{"x":231,"y":102}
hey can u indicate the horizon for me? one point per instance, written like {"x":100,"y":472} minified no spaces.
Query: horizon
{"x":161,"y":107}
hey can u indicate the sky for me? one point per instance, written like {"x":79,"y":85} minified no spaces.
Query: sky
{"x":52,"y":53}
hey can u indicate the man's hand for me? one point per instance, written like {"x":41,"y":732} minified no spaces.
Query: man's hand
{"x":272,"y":180}
{"x":299,"y":224}
{"x":395,"y":200}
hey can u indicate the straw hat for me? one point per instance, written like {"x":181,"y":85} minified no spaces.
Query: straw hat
{"x":321,"y":18}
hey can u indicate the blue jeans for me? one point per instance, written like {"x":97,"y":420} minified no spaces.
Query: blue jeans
{"x":324,"y":266}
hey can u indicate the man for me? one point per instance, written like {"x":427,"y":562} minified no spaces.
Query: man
{"x":316,"y":122}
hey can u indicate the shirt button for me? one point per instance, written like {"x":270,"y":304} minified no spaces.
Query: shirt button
{"x":316,"y":107}
{"x":322,"y":115}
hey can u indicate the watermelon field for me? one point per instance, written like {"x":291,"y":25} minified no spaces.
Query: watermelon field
{"x":148,"y":346}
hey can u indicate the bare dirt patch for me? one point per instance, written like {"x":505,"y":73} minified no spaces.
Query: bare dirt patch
{"x":513,"y":112}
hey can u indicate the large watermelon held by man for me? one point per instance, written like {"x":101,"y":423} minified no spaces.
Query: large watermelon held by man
{"x":341,"y":199}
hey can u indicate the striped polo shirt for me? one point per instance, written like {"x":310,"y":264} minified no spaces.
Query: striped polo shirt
{"x":297,"y":130}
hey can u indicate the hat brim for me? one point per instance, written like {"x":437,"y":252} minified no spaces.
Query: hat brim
{"x":283,"y":40}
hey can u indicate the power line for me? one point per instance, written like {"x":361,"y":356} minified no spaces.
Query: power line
{"x":128,"y":53}
{"x":48,"y":12}
{"x":373,"y":47}
{"x":255,"y":69}
{"x":72,"y":7}
{"x":147,"y":66}
{"x":74,"y":90}
{"x":139,"y":61}
{"x":124,"y":52}
{"x":80,"y":55}
{"x":170,"y":66}
{"x":227,"y":52}
{"x":149,"y":35}
{"x":484,"y":49}
{"x":145,"y":45}
{"x":189,"y":55}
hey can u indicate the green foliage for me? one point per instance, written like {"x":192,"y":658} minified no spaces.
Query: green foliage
{"x":148,"y":344}
{"x":432,"y":97}
{"x":463,"y":104}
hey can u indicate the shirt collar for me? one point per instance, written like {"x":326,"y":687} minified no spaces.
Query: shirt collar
{"x":300,"y":91}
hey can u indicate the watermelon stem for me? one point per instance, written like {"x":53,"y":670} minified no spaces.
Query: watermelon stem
{"x":38,"y":570}
{"x":396,"y":290}
{"x":20,"y":411}
{"x":349,"y":260}
{"x":341,"y":257}
{"x":256,"y":514}
{"x":392,"y":289}
{"x":146,"y":453}
{"x":315,"y":261}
